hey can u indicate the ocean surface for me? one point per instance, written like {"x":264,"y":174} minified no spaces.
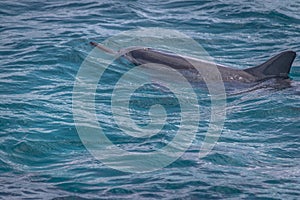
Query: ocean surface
{"x":42,"y":47}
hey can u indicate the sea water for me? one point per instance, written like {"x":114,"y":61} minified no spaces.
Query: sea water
{"x":43,"y":45}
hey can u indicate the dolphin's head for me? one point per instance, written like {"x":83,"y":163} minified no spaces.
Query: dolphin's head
{"x":138,"y":55}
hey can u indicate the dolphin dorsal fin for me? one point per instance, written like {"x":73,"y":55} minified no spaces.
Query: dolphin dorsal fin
{"x":277,"y":66}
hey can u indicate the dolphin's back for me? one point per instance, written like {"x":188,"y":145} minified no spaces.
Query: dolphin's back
{"x":276,"y":67}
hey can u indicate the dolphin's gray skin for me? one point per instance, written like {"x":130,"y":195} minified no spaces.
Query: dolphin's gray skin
{"x":276,"y":67}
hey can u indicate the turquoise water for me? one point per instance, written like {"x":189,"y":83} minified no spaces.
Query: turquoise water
{"x":41,"y":154}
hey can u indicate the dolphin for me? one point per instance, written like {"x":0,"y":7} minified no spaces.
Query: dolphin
{"x":195,"y":69}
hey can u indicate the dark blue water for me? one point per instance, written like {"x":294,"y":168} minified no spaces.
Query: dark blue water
{"x":42,"y":48}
